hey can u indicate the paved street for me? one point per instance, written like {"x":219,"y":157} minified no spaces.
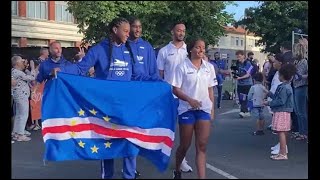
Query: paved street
{"x":232,"y":152}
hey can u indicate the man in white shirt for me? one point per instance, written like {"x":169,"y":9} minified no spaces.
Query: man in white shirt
{"x":168,"y":59}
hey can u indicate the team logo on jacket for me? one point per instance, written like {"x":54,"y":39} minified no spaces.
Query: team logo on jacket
{"x":139,"y":58}
{"x":119,"y":73}
{"x":119,"y":63}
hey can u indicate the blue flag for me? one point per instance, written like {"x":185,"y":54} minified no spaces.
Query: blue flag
{"x":86,"y":118}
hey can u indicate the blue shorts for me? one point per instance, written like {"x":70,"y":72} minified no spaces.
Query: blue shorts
{"x":176,"y":103}
{"x":257,"y":113}
{"x":190,"y":117}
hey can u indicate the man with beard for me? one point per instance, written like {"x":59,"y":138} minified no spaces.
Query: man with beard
{"x":169,"y":57}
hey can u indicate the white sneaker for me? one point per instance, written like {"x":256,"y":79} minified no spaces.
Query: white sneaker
{"x":276,"y":151}
{"x":12,"y":141}
{"x":277,"y":146}
{"x":30,"y":128}
{"x":27,"y":133}
{"x":242,"y":114}
{"x":247,"y":114}
{"x":185,"y":167}
{"x":36,"y":128}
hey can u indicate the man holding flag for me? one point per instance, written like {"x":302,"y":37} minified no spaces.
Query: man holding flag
{"x":113,"y":59}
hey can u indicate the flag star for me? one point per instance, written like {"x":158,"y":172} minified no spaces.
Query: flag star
{"x":94,"y":112}
{"x":106,"y":118}
{"x":81,"y":144}
{"x":108,"y":144}
{"x":72,"y":134}
{"x":81,"y":112}
{"x":73,"y":122}
{"x":94,"y":149}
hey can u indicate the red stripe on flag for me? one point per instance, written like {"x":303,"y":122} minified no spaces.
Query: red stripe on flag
{"x":108,"y":131}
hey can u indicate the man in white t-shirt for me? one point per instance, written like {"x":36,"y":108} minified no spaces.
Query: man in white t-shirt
{"x":168,"y":59}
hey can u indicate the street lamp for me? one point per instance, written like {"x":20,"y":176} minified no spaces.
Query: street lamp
{"x":244,"y":16}
{"x":245,"y":35}
{"x":245,"y":39}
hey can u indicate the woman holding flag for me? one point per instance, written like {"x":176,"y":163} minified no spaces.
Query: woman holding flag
{"x":113,"y":59}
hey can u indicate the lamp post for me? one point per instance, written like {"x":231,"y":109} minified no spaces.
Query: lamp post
{"x":245,"y":39}
{"x":244,"y":16}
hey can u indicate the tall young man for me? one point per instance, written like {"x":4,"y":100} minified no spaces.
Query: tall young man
{"x":169,"y":57}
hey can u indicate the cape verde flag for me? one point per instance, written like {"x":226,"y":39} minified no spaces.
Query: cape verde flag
{"x":86,"y":118}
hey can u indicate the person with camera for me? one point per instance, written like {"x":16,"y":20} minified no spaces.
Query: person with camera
{"x":242,"y":73}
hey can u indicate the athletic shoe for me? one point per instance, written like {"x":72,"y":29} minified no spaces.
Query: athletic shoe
{"x":27,"y":133}
{"x":276,"y":151}
{"x":176,"y":175}
{"x":277,"y":146}
{"x":37,"y":127}
{"x":137,"y":174}
{"x":22,"y":138}
{"x":247,"y":114}
{"x":185,"y":167}
{"x":258,"y":133}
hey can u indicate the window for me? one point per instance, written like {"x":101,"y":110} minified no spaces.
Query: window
{"x":66,"y":43}
{"x":222,"y":41}
{"x":232,"y":41}
{"x":241,"y":42}
{"x":37,"y":9}
{"x":255,"y":42}
{"x":237,"y":41}
{"x":14,"y":8}
{"x":62,"y":14}
{"x":251,"y":42}
{"x":14,"y":42}
{"x":37,"y":43}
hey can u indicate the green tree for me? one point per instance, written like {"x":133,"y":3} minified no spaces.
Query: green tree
{"x":203,"y":19}
{"x":275,"y":20}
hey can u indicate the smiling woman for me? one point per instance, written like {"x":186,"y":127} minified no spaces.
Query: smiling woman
{"x":193,"y":85}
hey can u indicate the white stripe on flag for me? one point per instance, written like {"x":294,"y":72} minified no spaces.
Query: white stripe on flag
{"x":101,"y":122}
{"x":152,"y":146}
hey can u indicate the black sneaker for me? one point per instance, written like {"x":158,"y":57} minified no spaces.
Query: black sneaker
{"x":137,"y":173}
{"x":176,"y":174}
{"x":258,"y":133}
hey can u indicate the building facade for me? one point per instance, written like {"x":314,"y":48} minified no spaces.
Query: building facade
{"x":38,"y":23}
{"x":234,"y":40}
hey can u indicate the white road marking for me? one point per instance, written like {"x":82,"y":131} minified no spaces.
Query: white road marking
{"x":231,"y":111}
{"x":219,"y":171}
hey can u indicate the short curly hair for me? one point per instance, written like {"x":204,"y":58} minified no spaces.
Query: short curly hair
{"x":287,"y":71}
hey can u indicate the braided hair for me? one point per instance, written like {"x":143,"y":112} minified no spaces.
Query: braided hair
{"x":116,"y":23}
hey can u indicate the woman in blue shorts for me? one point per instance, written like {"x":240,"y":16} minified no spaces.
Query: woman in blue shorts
{"x":193,"y":85}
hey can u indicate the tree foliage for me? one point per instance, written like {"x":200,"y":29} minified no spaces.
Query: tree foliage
{"x":274,"y":21}
{"x":203,"y":19}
